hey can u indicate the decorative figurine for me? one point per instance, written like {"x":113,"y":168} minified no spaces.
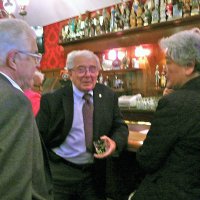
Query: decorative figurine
{"x":163,"y":79}
{"x":113,"y":25}
{"x":65,"y":33}
{"x":139,"y":16}
{"x":118,"y":19}
{"x":92,"y":27}
{"x":195,"y":7}
{"x":72,"y":26}
{"x":147,"y":15}
{"x":87,"y":25}
{"x":157,"y":76}
{"x":98,"y":30}
{"x":162,"y":11}
{"x":186,"y":8}
{"x":169,"y":10}
{"x":135,"y":5}
{"x":155,"y":12}
{"x":79,"y":28}
{"x":133,"y":21}
{"x":126,"y":15}
{"x":106,"y":21}
{"x":178,"y":10}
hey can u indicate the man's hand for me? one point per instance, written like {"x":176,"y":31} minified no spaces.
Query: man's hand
{"x":110,"y":147}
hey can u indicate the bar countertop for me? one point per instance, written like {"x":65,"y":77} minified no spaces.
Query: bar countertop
{"x":137,"y":134}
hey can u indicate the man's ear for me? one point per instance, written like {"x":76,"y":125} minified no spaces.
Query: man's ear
{"x":10,"y":60}
{"x":190,"y":68}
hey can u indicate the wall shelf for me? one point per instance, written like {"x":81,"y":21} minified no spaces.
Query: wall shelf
{"x":135,"y":36}
{"x":119,"y":71}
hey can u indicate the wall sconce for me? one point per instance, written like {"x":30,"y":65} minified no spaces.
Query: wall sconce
{"x":9,"y":7}
{"x":22,"y":6}
{"x":142,"y":52}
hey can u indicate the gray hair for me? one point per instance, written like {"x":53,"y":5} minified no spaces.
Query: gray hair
{"x":183,"y":47}
{"x":14,"y":34}
{"x":73,"y":54}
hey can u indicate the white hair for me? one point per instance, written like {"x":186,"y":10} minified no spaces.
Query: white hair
{"x":73,"y":54}
{"x":14,"y":34}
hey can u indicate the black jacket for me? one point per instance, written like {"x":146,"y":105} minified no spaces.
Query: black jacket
{"x":170,"y":154}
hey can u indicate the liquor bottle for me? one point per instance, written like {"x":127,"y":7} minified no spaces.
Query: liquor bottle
{"x":107,"y":81}
{"x":125,"y":61}
{"x":117,"y":62}
{"x":101,"y":79}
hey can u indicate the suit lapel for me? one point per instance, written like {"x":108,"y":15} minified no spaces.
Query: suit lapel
{"x":68,"y":105}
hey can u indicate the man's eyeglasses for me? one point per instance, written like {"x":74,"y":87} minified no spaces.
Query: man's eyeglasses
{"x":81,"y":70}
{"x":36,"y":56}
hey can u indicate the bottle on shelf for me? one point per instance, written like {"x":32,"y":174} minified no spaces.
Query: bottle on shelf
{"x":107,"y":81}
{"x":125,"y":61}
{"x":117,"y":62}
{"x":101,"y":79}
{"x":117,"y":83}
{"x":106,"y":64}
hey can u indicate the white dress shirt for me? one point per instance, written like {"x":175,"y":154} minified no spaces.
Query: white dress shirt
{"x":73,"y":148}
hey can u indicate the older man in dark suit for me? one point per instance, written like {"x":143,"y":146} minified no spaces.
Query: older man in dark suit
{"x":77,"y":172}
{"x":24,"y":172}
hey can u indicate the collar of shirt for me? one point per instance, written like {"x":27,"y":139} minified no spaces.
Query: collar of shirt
{"x":79,"y":93}
{"x":14,"y":84}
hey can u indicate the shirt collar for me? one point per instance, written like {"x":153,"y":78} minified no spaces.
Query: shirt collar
{"x":79,"y":93}
{"x":14,"y":84}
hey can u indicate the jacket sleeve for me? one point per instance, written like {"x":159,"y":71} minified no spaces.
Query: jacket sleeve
{"x":119,"y":127}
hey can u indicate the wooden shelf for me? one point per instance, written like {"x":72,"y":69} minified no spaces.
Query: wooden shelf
{"x":118,"y":71}
{"x":132,"y":37}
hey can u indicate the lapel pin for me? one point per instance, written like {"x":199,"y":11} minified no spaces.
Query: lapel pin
{"x":100,"y":95}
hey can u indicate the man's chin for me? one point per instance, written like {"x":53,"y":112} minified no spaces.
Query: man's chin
{"x":87,"y":88}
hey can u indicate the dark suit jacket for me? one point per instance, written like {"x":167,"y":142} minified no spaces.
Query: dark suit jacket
{"x":22,"y":168}
{"x":56,"y":114}
{"x":170,"y":154}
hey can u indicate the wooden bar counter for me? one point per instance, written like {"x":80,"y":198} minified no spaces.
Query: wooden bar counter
{"x":137,"y":134}
{"x":138,"y":122}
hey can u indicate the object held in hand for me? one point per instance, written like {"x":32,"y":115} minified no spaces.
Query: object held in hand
{"x":100,"y":146}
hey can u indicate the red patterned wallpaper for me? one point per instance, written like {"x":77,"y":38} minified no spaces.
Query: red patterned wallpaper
{"x":54,"y":54}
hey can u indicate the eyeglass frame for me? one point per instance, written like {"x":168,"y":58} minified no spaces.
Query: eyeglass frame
{"x":86,"y":69}
{"x":36,"y":56}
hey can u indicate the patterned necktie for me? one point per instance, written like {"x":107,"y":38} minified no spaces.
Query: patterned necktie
{"x":88,"y":121}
